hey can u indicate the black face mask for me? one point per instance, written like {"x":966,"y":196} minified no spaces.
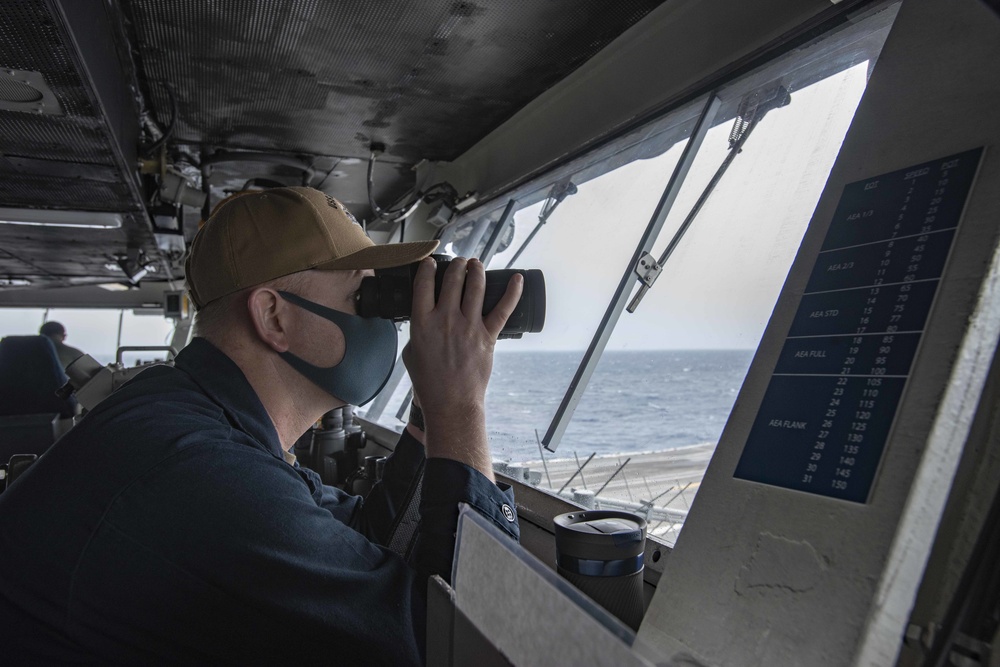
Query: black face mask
{"x":369,"y":354}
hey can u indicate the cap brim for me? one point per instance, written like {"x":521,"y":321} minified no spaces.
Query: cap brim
{"x":381,"y":256}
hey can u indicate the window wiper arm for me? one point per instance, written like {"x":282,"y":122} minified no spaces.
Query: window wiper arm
{"x":752,"y":109}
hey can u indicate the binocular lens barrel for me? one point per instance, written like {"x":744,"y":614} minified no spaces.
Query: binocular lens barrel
{"x":389,"y":294}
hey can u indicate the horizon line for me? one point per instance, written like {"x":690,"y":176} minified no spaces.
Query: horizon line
{"x":652,"y":349}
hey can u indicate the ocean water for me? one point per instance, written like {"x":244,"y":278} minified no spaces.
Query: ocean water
{"x":635,"y":401}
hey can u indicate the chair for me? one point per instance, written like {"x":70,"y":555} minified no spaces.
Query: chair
{"x":13,"y":469}
{"x":30,"y":375}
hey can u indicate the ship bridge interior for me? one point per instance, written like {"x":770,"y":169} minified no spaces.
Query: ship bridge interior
{"x":689,"y":175}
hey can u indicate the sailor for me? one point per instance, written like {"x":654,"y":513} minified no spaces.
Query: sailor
{"x":168,"y":527}
{"x":57,"y":334}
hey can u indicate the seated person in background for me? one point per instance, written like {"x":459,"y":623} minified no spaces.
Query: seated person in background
{"x":57,"y":333}
{"x":167,"y":527}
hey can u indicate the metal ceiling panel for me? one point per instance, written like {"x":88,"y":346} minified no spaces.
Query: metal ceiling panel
{"x":74,"y":151}
{"x":32,"y":39}
{"x":428,"y":79}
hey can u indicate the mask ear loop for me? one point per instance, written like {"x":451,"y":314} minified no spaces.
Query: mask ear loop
{"x":335,"y":316}
{"x":329,"y":313}
{"x":342,"y":320}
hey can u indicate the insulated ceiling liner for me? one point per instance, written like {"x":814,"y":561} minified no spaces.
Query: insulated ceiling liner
{"x":428,"y":79}
{"x":69,"y":132}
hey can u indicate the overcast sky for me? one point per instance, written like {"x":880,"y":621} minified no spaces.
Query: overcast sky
{"x":719,"y":287}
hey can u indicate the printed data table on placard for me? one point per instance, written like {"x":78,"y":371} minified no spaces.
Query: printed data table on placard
{"x":828,"y":409}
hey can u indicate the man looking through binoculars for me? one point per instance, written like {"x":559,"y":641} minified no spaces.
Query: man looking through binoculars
{"x":189,"y":537}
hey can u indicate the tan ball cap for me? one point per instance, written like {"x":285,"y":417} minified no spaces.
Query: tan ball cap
{"x":260,"y":236}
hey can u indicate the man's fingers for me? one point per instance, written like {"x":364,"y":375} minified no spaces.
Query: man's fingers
{"x":475,"y":288}
{"x":423,"y":287}
{"x":497,"y":317}
{"x":451,"y":286}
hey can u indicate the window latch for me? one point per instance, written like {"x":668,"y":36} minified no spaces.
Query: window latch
{"x":647,"y":269}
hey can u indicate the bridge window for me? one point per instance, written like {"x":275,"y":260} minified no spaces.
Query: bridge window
{"x":96,"y":330}
{"x":630,"y":406}
{"x":637,"y":427}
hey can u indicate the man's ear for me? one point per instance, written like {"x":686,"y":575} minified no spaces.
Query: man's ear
{"x":269,"y":314}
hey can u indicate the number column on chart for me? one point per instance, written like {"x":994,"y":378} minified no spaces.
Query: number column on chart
{"x":827,"y":412}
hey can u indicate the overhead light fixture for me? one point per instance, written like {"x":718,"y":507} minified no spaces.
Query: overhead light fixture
{"x":133,"y":264}
{"x":114,"y":287}
{"x":134,"y":273}
{"x":45,"y":217}
{"x":28,"y":92}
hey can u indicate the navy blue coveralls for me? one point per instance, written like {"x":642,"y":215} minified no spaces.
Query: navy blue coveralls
{"x":167,"y":528}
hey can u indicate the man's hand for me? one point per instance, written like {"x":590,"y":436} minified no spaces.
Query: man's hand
{"x":450,"y":358}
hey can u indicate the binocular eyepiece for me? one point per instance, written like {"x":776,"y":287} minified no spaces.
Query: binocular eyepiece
{"x":389,"y":294}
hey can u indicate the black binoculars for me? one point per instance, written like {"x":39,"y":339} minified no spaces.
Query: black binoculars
{"x":389,"y":294}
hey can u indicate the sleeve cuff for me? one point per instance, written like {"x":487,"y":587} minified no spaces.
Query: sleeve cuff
{"x":448,"y":483}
